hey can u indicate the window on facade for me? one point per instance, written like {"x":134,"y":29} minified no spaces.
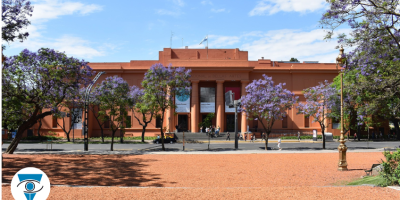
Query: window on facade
{"x":54,"y":122}
{"x":306,"y":122}
{"x":107,"y":124}
{"x":158,"y":121}
{"x":335,"y":123}
{"x":128,"y":122}
{"x":284,"y":122}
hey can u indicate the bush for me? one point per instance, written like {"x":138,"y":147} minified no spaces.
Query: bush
{"x":391,"y":168}
{"x":45,"y":137}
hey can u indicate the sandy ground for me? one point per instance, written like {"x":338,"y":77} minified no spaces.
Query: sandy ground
{"x":218,"y":176}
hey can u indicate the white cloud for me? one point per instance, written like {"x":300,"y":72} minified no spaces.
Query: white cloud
{"x":285,"y":44}
{"x":46,"y":10}
{"x":219,"y":10}
{"x":206,"y":2}
{"x":274,"y":6}
{"x":168,"y":12}
{"x":72,"y":46}
{"x":51,"y":9}
{"x":179,"y":2}
{"x":281,"y":44}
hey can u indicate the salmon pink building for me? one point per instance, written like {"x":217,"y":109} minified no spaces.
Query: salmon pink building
{"x":214,"y":72}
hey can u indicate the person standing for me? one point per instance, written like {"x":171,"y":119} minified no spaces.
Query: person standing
{"x":279,"y":144}
{"x":227,"y":136}
{"x":245,"y":137}
{"x":355,"y":136}
{"x":201,"y":129}
{"x":381,"y":135}
{"x":298,"y":135}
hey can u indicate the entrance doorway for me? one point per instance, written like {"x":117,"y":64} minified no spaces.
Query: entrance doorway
{"x":230,"y":122}
{"x":183,"y":123}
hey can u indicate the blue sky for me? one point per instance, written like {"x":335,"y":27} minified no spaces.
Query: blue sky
{"x":120,"y":31}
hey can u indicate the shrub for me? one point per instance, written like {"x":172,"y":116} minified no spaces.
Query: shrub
{"x":45,"y":137}
{"x":391,"y":168}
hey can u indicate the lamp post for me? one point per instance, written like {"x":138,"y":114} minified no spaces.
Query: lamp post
{"x":342,"y":166}
{"x":86,"y":112}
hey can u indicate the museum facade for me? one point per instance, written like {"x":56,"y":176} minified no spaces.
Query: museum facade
{"x":214,"y":72}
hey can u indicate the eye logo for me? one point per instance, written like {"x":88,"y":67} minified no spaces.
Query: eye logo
{"x":30,"y":184}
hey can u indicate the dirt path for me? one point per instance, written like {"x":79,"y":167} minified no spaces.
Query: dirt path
{"x":249,"y":176}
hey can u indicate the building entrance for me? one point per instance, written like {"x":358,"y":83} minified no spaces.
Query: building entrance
{"x":230,"y":122}
{"x":183,"y":123}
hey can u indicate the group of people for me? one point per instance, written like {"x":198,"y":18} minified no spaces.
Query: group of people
{"x":212,"y":131}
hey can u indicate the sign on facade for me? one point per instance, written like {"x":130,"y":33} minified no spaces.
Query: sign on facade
{"x":182,"y":103}
{"x":235,"y":90}
{"x":207,"y":100}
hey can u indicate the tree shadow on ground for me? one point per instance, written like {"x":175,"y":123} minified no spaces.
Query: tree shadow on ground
{"x":92,"y":170}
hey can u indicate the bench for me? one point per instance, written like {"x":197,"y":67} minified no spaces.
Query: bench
{"x":372,"y":168}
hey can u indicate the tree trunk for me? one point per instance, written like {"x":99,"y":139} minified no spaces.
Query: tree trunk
{"x":38,"y":131}
{"x":323,"y":139}
{"x":112,"y":141}
{"x":14,"y":143}
{"x":102,"y":135}
{"x":266,"y":141}
{"x":396,"y":128}
{"x":68,"y":137}
{"x":162,"y":133}
{"x":143,"y":131}
{"x":25,"y":126}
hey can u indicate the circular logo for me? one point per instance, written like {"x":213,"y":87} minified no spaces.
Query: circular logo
{"x":30,"y":183}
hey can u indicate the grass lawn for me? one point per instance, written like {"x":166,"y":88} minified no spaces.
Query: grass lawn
{"x":372,"y":180}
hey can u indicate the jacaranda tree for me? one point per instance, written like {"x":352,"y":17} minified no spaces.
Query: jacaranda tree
{"x":320,"y":100}
{"x":70,"y":108}
{"x":376,"y":57}
{"x":15,"y":15}
{"x":35,"y":84}
{"x":161,"y":84}
{"x":267,"y":102}
{"x":144,"y":109}
{"x":114,"y":100}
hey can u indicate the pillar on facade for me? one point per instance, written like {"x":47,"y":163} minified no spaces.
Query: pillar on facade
{"x":194,"y":110}
{"x":244,"y":117}
{"x":220,"y":104}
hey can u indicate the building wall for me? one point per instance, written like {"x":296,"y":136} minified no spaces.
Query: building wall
{"x":217,"y":68}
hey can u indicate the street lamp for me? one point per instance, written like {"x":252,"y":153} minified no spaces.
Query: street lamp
{"x":342,"y":166}
{"x":86,"y":112}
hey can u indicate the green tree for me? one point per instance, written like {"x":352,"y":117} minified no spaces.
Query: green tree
{"x":161,"y":84}
{"x":34,"y":81}
{"x":293,"y":60}
{"x":207,"y":122}
{"x":114,"y":100}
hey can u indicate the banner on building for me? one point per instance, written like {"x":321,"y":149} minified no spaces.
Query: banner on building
{"x":77,"y":115}
{"x":182,"y":103}
{"x":235,"y":90}
{"x":207,"y":100}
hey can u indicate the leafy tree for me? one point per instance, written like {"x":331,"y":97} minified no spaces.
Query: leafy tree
{"x":67,"y":107}
{"x":319,"y":100}
{"x":161,"y":84}
{"x":207,"y":122}
{"x":142,"y":107}
{"x":349,"y":104}
{"x":376,"y":57}
{"x":15,"y":17}
{"x":35,"y":84}
{"x":95,"y":108}
{"x":293,"y":60}
{"x":112,"y":94}
{"x":267,"y":102}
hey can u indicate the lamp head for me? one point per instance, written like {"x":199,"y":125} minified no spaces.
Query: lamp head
{"x":341,"y":59}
